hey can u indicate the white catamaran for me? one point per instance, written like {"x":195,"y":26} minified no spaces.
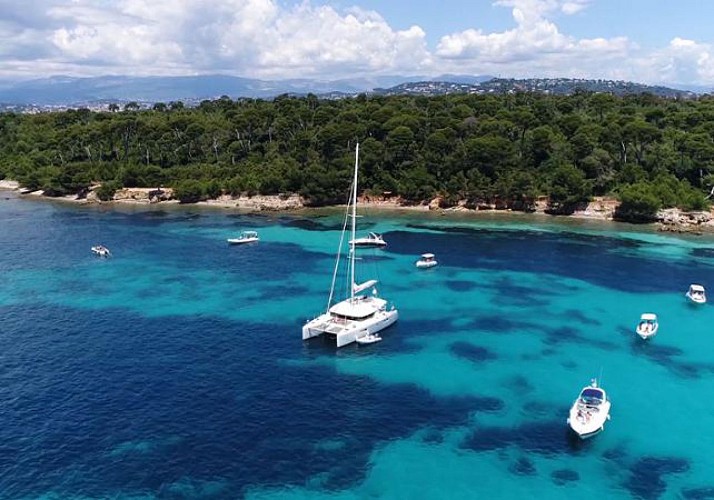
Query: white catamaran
{"x":361,"y":314}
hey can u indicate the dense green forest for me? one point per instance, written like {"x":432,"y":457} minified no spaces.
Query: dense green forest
{"x":506,"y":150}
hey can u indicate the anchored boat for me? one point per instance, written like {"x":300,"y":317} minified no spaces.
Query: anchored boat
{"x":590,"y":411}
{"x":426,"y":261}
{"x":245,"y":237}
{"x":696,"y":294}
{"x":362,"y":313}
{"x":101,"y":251}
{"x":648,"y":326}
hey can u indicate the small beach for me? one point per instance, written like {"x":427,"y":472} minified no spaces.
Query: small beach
{"x":598,"y":210}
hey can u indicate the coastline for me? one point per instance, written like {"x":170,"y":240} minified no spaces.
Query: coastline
{"x":600,"y":209}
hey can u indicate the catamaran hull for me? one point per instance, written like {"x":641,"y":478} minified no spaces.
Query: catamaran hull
{"x":346,"y":335}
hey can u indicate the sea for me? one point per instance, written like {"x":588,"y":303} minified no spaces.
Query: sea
{"x":175,"y":369}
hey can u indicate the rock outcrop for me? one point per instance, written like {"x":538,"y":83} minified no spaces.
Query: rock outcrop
{"x":143,"y":195}
{"x":260,"y":203}
{"x":599,"y":208}
{"x":674,"y":220}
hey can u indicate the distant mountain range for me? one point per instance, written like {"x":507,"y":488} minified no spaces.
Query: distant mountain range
{"x":64,"y":91}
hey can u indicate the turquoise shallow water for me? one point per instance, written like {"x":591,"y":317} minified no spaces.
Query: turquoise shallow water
{"x":176,"y":369}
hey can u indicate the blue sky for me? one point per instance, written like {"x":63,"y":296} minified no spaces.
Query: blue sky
{"x":651,"y":41}
{"x":649,"y":22}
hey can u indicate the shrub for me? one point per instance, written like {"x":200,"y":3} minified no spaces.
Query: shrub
{"x":638,"y":203}
{"x":188,"y":191}
{"x":106,"y":191}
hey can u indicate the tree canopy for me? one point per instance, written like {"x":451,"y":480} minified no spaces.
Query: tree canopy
{"x":502,"y":149}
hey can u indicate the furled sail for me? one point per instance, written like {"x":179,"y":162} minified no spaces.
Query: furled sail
{"x":363,"y":286}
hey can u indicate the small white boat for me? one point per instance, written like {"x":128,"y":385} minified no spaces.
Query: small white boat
{"x":648,"y":325}
{"x":590,"y":411}
{"x":101,"y":251}
{"x":696,"y":294}
{"x":370,"y":338}
{"x":426,"y":261}
{"x":371,"y":240}
{"x":245,"y":237}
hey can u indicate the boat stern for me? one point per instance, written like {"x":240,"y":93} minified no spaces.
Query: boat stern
{"x":314,"y":327}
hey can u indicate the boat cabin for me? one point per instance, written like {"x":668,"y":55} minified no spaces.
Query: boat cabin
{"x":696,"y":294}
{"x":357,"y":309}
{"x":648,"y":320}
{"x":592,"y":396}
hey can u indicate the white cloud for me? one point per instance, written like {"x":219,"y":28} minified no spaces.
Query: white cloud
{"x":300,"y":38}
{"x":309,"y":40}
{"x":535,"y":41}
{"x":536,"y":47}
{"x":253,"y":38}
{"x":574,"y":6}
{"x":543,"y":8}
{"x":682,"y":61}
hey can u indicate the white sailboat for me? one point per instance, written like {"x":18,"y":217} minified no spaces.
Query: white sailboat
{"x":363,"y":313}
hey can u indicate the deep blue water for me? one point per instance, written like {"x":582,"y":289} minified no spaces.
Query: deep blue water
{"x":175,"y":369}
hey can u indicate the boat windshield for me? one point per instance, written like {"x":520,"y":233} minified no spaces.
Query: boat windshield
{"x":592,"y":396}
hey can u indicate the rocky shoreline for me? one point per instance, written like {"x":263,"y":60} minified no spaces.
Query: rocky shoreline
{"x":600,"y":208}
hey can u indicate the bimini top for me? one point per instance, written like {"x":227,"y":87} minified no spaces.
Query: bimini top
{"x":648,"y":317}
{"x":696,"y":288}
{"x":427,"y":256}
{"x":249,"y":234}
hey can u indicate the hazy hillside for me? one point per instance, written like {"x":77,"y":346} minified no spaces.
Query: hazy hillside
{"x":97,"y":92}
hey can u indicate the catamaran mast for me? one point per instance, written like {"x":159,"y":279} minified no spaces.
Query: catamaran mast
{"x":354,"y":226}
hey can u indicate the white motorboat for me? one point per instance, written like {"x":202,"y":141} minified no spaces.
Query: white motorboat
{"x":696,"y":294}
{"x":370,"y":338}
{"x":371,"y":240}
{"x":101,"y":251}
{"x":360,"y":314}
{"x":590,"y":411}
{"x":245,"y":237}
{"x":426,"y":261}
{"x":648,"y":325}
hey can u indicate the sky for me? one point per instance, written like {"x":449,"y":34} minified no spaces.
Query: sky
{"x":646,"y":41}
